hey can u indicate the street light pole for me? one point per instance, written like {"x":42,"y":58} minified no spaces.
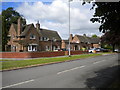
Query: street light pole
{"x":69,"y":29}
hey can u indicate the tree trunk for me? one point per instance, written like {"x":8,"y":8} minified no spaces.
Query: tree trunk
{"x":113,"y":49}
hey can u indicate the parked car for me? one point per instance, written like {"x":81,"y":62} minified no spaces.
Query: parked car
{"x":64,"y":49}
{"x":117,"y":50}
{"x":93,"y":50}
{"x":57,"y":50}
{"x":103,"y":50}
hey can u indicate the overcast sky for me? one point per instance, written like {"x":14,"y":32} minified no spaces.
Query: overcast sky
{"x":55,"y":16}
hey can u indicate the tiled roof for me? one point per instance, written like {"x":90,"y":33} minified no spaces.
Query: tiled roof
{"x":50,"y":34}
{"x":26,"y":29}
{"x":82,"y":38}
{"x":95,"y":40}
{"x":43,"y":32}
{"x":86,"y":39}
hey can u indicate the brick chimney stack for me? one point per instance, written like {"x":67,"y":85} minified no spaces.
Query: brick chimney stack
{"x":71,"y":37}
{"x":38,"y":26}
{"x":19,"y":27}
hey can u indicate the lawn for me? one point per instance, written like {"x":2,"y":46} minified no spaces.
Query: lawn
{"x":12,"y":64}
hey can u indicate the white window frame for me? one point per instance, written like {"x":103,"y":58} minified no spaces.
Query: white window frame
{"x":31,"y":48}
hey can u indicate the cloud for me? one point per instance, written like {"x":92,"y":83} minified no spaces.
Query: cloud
{"x":55,"y":16}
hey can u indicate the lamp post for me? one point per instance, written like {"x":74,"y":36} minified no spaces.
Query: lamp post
{"x":69,"y":29}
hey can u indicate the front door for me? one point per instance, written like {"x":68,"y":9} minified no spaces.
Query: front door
{"x":76,"y":47}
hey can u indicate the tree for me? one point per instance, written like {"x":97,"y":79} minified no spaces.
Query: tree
{"x":9,"y":16}
{"x":94,"y":35}
{"x":0,"y":32}
{"x":108,"y":14}
{"x":111,"y":38}
{"x":4,"y":33}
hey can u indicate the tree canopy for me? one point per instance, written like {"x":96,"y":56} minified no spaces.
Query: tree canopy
{"x":94,"y":35}
{"x":108,"y":14}
{"x":111,"y":38}
{"x":11,"y":16}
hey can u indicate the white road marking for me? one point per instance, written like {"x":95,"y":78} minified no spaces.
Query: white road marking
{"x":99,"y":61}
{"x":70,"y":69}
{"x":18,"y":84}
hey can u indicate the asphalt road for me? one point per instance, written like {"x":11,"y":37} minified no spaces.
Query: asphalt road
{"x":85,"y":73}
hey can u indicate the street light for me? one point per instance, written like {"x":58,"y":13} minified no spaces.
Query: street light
{"x":69,"y":27}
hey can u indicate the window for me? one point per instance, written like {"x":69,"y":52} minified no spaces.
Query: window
{"x":47,"y":48}
{"x":40,"y":38}
{"x":14,"y":48}
{"x":32,"y":48}
{"x":58,"y":47}
{"x":29,"y":48}
{"x":32,"y":36}
{"x":44,"y":39}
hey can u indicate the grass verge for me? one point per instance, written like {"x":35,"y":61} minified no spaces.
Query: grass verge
{"x":12,"y":64}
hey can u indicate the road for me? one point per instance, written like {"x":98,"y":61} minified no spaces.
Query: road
{"x":85,"y":73}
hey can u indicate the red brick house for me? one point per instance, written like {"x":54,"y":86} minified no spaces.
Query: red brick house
{"x":79,"y":42}
{"x":30,"y":38}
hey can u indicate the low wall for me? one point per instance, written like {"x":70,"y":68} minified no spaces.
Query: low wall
{"x":78,"y":52}
{"x":37,"y":54}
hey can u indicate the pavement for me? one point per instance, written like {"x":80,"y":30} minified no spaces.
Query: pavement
{"x":96,"y":72}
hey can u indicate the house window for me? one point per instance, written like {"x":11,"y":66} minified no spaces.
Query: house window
{"x":54,"y":48}
{"x":47,"y":48}
{"x":41,"y":38}
{"x":32,"y":48}
{"x":58,"y":47}
{"x":14,"y":48}
{"x":32,"y":36}
{"x":44,"y":39}
{"x":29,"y":48}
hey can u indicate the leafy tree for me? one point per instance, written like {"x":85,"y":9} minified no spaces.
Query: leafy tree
{"x":108,"y":14}
{"x":0,"y":32}
{"x":111,"y":38}
{"x":4,"y":33}
{"x":9,"y":16}
{"x":94,"y":35}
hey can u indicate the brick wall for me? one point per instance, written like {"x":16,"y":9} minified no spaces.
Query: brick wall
{"x":78,"y":52}
{"x":37,"y":54}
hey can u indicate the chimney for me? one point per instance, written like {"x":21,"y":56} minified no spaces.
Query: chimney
{"x":19,"y":27}
{"x":71,"y":37}
{"x":38,"y":26}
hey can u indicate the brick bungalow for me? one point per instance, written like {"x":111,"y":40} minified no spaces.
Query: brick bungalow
{"x":29,"y":38}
